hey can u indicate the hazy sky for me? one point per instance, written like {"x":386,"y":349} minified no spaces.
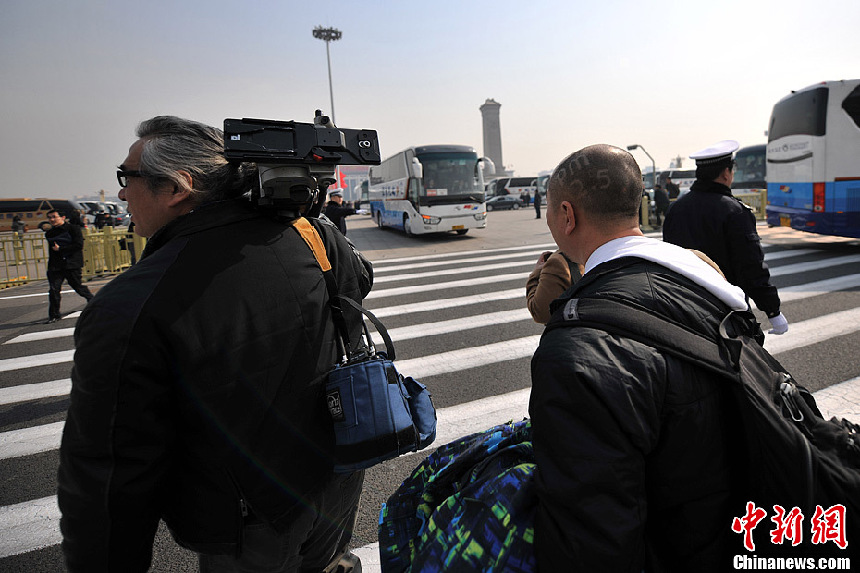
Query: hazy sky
{"x":76,"y":77}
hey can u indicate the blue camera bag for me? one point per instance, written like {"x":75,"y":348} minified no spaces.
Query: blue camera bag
{"x":378,"y":414}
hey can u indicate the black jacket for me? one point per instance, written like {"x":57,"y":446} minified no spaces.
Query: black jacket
{"x":338,"y":214}
{"x":711,"y":220}
{"x":661,"y":200}
{"x":633,"y":448}
{"x":70,"y":239}
{"x":197,"y":388}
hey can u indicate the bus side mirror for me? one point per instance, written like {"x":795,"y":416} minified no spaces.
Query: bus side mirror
{"x":417,"y":169}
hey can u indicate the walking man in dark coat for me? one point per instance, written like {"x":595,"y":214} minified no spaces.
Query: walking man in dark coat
{"x":65,"y":261}
{"x":661,"y":203}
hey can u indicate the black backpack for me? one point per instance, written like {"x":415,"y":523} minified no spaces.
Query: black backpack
{"x":796,"y":458}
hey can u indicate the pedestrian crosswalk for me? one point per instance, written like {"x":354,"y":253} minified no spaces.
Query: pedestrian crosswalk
{"x":459,"y":323}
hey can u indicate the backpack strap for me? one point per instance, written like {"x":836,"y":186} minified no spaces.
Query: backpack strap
{"x":630,"y":321}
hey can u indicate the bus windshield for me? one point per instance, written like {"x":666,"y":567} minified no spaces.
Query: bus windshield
{"x":450,"y":178}
{"x":750,"y":168}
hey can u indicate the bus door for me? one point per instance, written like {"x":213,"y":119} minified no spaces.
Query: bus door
{"x":416,"y":176}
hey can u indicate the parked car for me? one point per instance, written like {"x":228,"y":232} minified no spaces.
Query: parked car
{"x":33,"y":212}
{"x":119,"y":214}
{"x":93,"y":208}
{"x":502,"y":202}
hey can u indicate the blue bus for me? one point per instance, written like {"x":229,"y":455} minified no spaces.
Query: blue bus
{"x":813,"y":160}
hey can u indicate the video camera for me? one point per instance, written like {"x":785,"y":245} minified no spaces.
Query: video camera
{"x":297,"y":161}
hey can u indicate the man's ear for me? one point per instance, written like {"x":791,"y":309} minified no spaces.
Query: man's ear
{"x":181,"y":194}
{"x":569,"y":219}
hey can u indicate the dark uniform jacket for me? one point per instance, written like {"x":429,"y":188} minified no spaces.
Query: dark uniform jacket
{"x":338,"y":214}
{"x":711,"y":220}
{"x":70,"y":239}
{"x":634,"y":471}
{"x":197,"y":389}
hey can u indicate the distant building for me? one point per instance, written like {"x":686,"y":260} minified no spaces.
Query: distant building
{"x":493,"y":134}
{"x":351,"y":177}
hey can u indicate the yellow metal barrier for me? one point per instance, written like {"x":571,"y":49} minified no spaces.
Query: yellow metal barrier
{"x":756,"y":200}
{"x":24,"y":257}
{"x":645,"y":212}
{"x":110,"y":251}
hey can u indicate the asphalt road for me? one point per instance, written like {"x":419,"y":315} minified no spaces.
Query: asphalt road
{"x":425,"y":287}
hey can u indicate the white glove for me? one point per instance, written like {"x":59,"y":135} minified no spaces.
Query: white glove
{"x":779,"y":324}
{"x":361,"y":211}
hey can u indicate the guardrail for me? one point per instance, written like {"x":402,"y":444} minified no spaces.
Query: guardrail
{"x":756,"y":200}
{"x":24,"y":257}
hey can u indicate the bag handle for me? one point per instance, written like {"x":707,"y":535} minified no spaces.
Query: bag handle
{"x":315,"y":243}
{"x":383,"y":332}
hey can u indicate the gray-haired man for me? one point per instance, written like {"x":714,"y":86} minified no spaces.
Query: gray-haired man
{"x":197,"y":384}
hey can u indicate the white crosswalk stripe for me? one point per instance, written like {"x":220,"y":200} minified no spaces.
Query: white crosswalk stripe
{"x":799,"y":268}
{"x":37,"y":360}
{"x":35,"y":391}
{"x":532,"y":255}
{"x":384,"y":263}
{"x":34,"y":336}
{"x":458,"y":271}
{"x":29,"y":441}
{"x":492,"y":300}
{"x":447,"y":286}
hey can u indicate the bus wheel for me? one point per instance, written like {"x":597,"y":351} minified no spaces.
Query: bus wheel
{"x":462,"y":231}
{"x":406,"y":228}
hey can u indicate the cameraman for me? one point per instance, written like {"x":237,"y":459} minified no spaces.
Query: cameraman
{"x":197,"y":391}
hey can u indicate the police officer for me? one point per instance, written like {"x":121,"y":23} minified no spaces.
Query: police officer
{"x":338,"y":212}
{"x":711,"y":220}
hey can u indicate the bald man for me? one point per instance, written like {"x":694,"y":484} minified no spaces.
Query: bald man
{"x":624,"y":481}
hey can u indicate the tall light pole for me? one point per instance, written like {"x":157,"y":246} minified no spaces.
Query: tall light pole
{"x":328,"y":35}
{"x":653,"y":165}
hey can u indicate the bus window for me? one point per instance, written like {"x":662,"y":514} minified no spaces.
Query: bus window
{"x":851,"y":105}
{"x":803,"y":114}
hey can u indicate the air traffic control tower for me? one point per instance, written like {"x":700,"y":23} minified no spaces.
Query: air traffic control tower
{"x":492,"y":133}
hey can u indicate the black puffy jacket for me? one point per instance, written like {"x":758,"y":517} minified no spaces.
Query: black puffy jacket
{"x":197,"y":388}
{"x":636,"y":470}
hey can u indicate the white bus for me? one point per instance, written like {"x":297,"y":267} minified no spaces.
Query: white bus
{"x":813,"y":172}
{"x":429,"y":189}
